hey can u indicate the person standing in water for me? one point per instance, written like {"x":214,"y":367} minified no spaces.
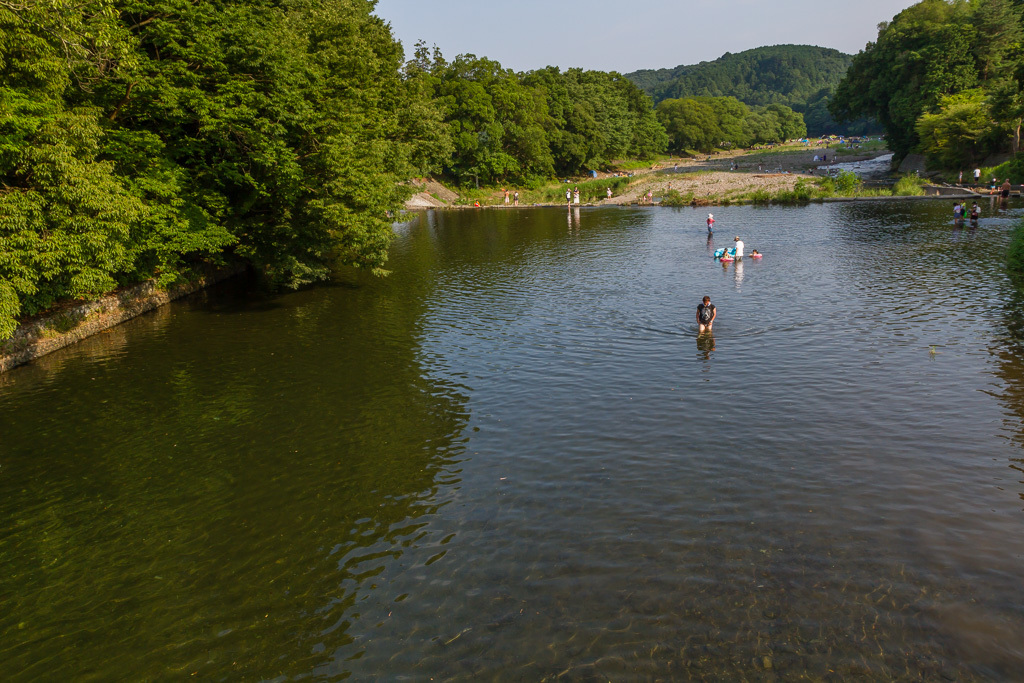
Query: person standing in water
{"x":739,"y":247}
{"x":706,"y":314}
{"x":711,"y":223}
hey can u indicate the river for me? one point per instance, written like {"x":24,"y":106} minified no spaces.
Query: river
{"x":515,"y":459}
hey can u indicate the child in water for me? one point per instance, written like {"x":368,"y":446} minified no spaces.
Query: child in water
{"x":755,"y":254}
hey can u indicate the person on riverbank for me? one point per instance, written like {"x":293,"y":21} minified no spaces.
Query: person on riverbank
{"x":576,"y":195}
{"x":515,"y":200}
{"x":608,"y":191}
{"x":1004,"y":192}
{"x":711,"y":223}
{"x":706,"y":314}
{"x":506,"y":197}
{"x":977,"y":176}
{"x":568,"y":197}
{"x":739,"y":247}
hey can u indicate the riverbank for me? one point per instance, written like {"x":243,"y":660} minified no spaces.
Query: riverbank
{"x":65,"y":326}
{"x":722,"y":178}
{"x":790,"y":174}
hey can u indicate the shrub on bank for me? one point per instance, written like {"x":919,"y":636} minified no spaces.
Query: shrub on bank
{"x":676,"y":198}
{"x":908,"y":186}
{"x":1013,"y":169}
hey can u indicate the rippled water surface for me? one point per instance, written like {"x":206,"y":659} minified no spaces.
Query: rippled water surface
{"x":515,"y":459}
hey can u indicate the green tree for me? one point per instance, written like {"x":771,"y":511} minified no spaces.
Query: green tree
{"x":997,"y":49}
{"x":951,"y":136}
{"x":923,"y":54}
{"x":691,"y":125}
{"x":791,"y":123}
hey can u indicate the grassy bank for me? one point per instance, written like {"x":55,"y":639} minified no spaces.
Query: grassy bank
{"x":551,"y":193}
{"x":846,"y":184}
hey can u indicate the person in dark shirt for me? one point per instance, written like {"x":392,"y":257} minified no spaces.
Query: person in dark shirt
{"x":706,"y":314}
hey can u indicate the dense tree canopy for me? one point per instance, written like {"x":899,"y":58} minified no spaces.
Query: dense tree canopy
{"x":141,"y":138}
{"x":706,"y":123}
{"x":522,"y":127}
{"x":802,"y":77}
{"x":944,"y":78}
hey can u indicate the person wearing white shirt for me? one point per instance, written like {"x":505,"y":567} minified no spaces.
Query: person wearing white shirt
{"x":739,"y":247}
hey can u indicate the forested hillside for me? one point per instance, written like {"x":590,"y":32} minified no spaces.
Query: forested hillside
{"x":945,"y":79}
{"x":801,"y":77}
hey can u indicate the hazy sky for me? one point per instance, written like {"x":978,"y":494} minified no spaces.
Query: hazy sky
{"x":625,"y":36}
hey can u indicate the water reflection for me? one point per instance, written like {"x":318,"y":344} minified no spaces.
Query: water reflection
{"x":242,"y":509}
{"x":705,"y":345}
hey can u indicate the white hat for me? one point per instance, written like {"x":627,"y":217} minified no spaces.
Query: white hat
{"x":710,"y":215}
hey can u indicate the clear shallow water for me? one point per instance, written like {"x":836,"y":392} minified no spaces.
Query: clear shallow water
{"x":515,"y":459}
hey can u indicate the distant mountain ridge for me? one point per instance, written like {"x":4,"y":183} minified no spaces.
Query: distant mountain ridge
{"x":802,"y":77}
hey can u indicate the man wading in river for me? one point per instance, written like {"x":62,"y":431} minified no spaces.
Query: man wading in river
{"x":705,"y":315}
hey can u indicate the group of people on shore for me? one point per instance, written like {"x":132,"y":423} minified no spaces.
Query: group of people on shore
{"x":993,"y":185}
{"x":514,"y":197}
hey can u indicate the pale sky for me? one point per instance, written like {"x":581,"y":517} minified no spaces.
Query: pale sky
{"x":625,"y":36}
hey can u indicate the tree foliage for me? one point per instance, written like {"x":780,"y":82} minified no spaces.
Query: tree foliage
{"x":142,"y":138}
{"x":522,"y":127}
{"x":944,"y":78}
{"x":706,"y":123}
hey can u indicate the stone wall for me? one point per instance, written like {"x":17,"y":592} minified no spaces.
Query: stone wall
{"x":53,"y":331}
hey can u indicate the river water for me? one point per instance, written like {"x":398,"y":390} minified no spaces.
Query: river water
{"x":515,"y":459}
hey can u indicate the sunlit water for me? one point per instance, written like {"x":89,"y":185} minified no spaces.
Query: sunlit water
{"x":868,"y":168}
{"x":514,"y":458}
